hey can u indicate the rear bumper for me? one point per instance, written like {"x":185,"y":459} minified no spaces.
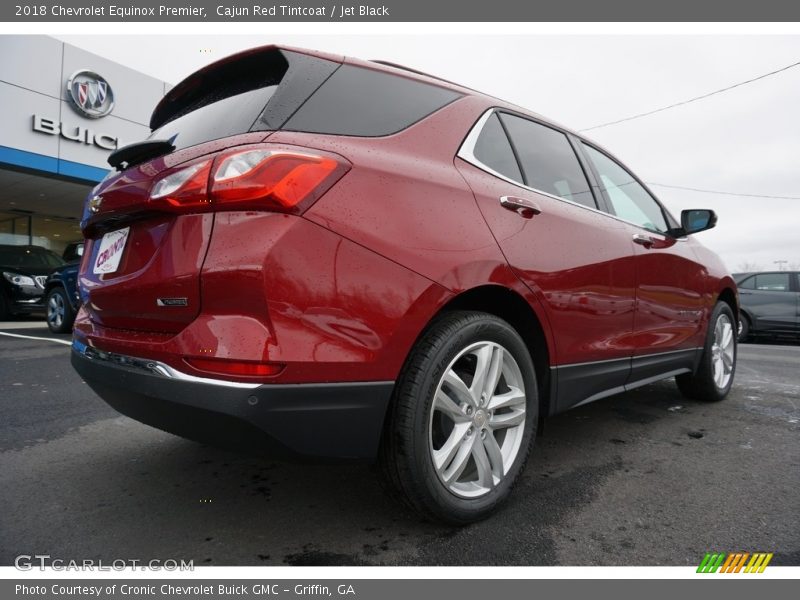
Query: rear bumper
{"x":318,"y":421}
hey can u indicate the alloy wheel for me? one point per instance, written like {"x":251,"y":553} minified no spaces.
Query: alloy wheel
{"x":722,"y":351}
{"x":477,"y":419}
{"x":55,"y":310}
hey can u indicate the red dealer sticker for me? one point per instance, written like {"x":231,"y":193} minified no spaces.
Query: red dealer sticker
{"x":110,"y":251}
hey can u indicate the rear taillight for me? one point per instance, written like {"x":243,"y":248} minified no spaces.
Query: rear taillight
{"x":257,"y":178}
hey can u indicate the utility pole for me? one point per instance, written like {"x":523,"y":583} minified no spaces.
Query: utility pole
{"x":780,"y":264}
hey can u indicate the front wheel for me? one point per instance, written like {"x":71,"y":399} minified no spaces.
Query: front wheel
{"x":60,"y":314}
{"x":714,"y":377}
{"x":463,"y":418}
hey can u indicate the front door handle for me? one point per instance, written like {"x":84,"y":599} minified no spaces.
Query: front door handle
{"x":643,"y":240}
{"x":522,"y":206}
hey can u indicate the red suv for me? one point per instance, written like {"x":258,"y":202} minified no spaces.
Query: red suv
{"x":346,"y":259}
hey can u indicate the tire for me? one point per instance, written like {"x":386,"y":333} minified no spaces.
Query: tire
{"x":60,"y":314}
{"x":5,"y":313}
{"x":744,"y":327}
{"x":708,"y":383}
{"x":463,"y":430}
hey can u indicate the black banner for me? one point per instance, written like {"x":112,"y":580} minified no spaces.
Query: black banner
{"x":401,"y":11}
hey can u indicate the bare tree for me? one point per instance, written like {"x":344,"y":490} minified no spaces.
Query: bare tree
{"x":748,"y":267}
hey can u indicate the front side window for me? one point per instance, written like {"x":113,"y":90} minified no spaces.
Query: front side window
{"x":629,"y":200}
{"x":773,"y":282}
{"x":548,"y":160}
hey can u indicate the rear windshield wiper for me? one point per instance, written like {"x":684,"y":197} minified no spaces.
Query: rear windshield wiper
{"x":133,"y":154}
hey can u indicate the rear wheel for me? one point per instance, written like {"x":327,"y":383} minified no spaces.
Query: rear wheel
{"x":60,"y":315}
{"x":744,"y":327}
{"x":463,"y":418}
{"x":714,"y":377}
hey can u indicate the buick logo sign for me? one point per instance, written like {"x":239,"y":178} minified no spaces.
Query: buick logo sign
{"x":90,"y":94}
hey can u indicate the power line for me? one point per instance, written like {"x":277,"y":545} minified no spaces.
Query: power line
{"x":690,"y":100}
{"x":691,"y":189}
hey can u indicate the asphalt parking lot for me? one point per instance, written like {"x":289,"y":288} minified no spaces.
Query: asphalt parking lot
{"x":646,"y":478}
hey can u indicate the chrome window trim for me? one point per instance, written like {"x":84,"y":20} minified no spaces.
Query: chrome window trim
{"x":152,"y":367}
{"x":467,"y":153}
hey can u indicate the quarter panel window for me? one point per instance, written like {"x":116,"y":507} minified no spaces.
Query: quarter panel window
{"x":629,"y":200}
{"x":362,"y":102}
{"x":548,"y":160}
{"x":748,"y":284}
{"x":494,"y":150}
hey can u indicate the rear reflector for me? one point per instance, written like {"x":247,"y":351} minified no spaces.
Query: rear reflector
{"x":234,"y":367}
{"x":258,"y":178}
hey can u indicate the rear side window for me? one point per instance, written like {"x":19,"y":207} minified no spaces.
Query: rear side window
{"x":494,"y":150}
{"x":748,"y":284}
{"x":627,"y":196}
{"x":362,"y":102}
{"x":548,"y":161}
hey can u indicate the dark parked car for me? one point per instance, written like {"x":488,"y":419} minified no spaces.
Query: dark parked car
{"x":24,"y":271}
{"x":347,"y":259}
{"x":61,"y":291}
{"x":769,"y":304}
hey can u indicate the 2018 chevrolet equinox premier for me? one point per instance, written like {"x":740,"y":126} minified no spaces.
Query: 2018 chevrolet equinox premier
{"x":348,"y":259}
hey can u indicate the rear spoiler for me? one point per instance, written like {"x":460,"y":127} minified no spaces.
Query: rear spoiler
{"x":248,"y":70}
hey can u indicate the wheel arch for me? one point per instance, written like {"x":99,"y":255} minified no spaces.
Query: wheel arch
{"x":512,"y":307}
{"x":728,"y":296}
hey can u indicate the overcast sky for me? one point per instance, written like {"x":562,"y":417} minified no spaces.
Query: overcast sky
{"x":746,"y":140}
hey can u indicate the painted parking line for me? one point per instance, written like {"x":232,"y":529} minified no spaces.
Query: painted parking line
{"x":33,"y":337}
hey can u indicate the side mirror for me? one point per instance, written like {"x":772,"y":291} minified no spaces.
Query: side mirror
{"x":697,"y":219}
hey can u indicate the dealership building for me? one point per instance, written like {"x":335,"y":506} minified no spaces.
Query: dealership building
{"x":64,"y":111}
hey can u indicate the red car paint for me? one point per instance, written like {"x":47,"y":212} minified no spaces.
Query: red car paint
{"x":341,"y":292}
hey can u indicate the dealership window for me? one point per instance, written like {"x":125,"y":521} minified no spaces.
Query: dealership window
{"x":53,"y":233}
{"x":15,"y":229}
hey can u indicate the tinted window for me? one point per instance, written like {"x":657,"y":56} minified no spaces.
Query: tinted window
{"x":230,"y":116}
{"x":363,"y":102}
{"x":628,"y":198}
{"x":773,"y":282}
{"x":494,"y":150}
{"x":548,"y":161}
{"x":221,"y":101}
{"x":748,"y":284}
{"x":29,"y":258}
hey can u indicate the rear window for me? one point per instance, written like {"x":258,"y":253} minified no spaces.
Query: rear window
{"x":362,"y":102}
{"x":255,"y":92}
{"x":273,"y":89}
{"x":230,"y":116}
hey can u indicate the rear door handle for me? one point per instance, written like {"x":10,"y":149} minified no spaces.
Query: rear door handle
{"x":522,"y":206}
{"x":643,"y":240}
